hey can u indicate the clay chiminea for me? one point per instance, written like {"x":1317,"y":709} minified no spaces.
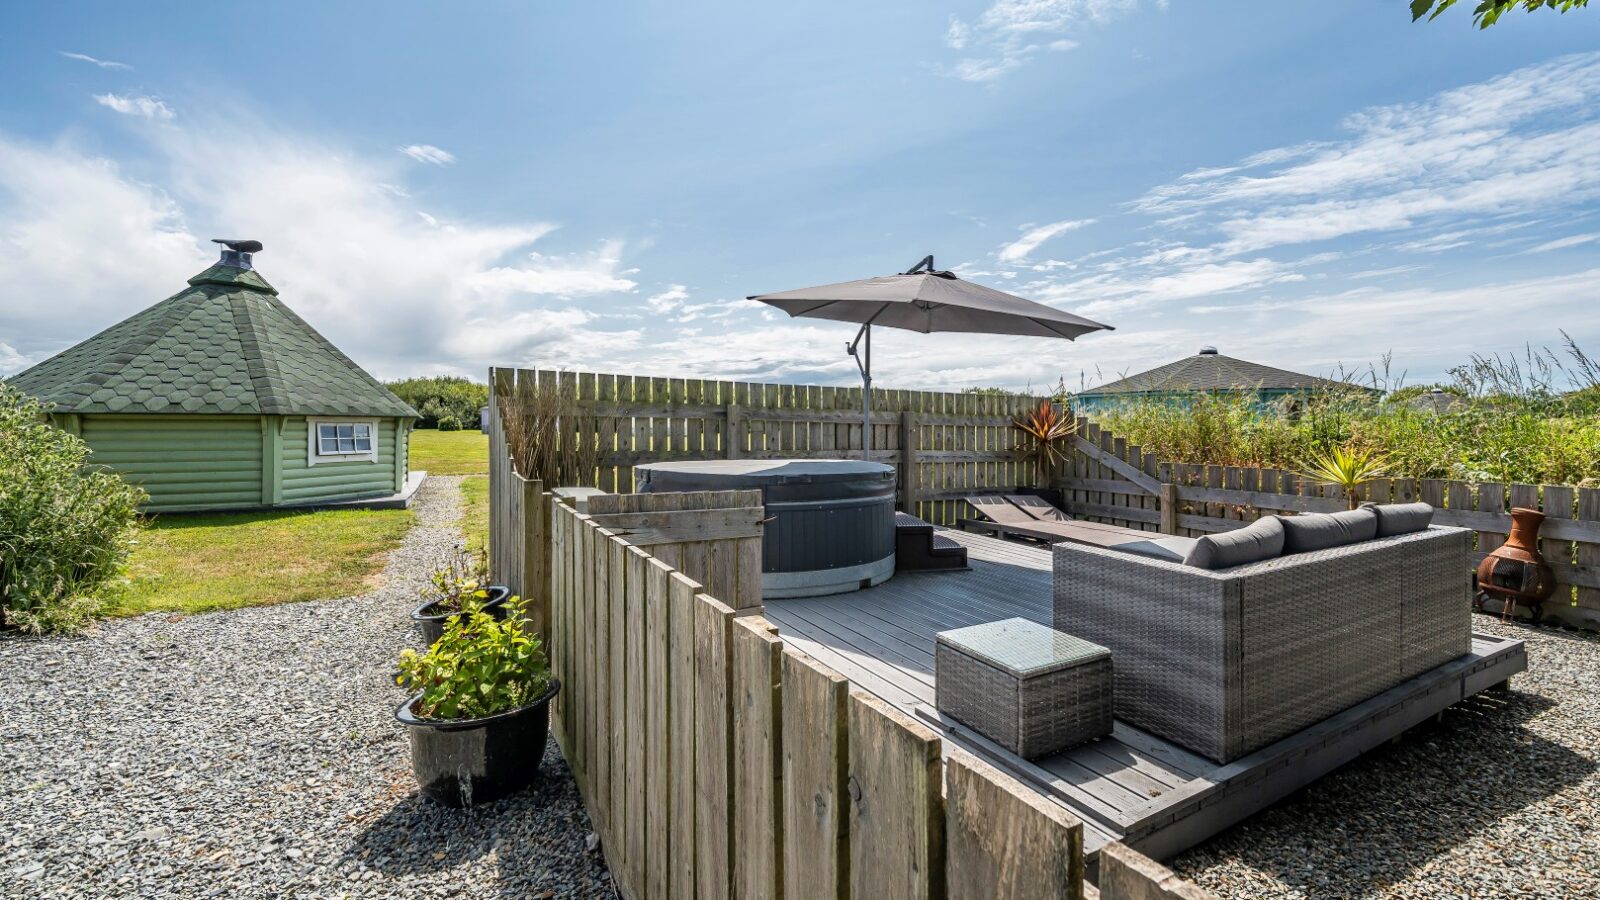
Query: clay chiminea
{"x":1515,"y":572}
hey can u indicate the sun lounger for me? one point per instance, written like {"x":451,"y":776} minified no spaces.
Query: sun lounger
{"x":1006,"y":518}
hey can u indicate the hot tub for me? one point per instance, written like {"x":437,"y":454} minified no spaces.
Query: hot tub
{"x":830,"y":522}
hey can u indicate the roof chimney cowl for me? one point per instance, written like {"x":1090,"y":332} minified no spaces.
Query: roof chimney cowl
{"x":237,"y":253}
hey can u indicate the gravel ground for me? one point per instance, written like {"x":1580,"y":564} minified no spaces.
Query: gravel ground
{"x":254,"y":753}
{"x":1500,"y":799}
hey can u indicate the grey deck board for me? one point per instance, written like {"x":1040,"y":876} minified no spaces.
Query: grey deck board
{"x":1130,"y":786}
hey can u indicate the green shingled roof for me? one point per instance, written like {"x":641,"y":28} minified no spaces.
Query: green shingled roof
{"x":226,"y":344}
{"x":1211,"y":371}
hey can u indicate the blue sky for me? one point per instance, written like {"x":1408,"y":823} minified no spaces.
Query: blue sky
{"x":441,"y":187}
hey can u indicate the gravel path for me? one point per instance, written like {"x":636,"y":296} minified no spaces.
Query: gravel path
{"x":254,"y":753}
{"x":1500,"y":799}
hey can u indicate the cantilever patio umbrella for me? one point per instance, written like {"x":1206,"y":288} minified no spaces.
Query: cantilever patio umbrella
{"x":927,"y":300}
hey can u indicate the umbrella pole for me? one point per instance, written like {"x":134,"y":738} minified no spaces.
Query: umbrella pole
{"x":864,"y":363}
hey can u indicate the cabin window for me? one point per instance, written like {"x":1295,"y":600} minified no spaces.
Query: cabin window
{"x":334,"y":440}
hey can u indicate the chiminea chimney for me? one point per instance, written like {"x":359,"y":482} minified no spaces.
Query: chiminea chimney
{"x":237,"y":253}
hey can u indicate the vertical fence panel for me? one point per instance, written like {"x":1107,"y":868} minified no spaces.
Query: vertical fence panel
{"x":815,"y":804}
{"x":757,"y":758}
{"x":619,"y":587}
{"x":1005,"y":841}
{"x":896,"y":810}
{"x":1588,"y":556}
{"x":683,"y":750}
{"x":658,"y":762}
{"x":713,"y":778}
{"x":638,"y":774}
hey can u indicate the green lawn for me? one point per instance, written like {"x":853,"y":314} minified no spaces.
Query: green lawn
{"x":475,"y":520}
{"x":198,"y":563}
{"x":449,"y":452}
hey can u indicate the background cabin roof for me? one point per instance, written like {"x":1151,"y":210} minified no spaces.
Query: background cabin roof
{"x":1211,"y":371}
{"x":225,"y":344}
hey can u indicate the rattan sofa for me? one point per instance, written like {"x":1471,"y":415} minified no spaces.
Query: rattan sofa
{"x":1227,"y":661}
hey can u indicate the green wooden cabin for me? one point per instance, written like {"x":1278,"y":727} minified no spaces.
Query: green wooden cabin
{"x":220,"y":397}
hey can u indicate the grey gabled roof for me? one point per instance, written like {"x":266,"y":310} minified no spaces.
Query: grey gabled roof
{"x":226,"y":344}
{"x":1215,"y":372}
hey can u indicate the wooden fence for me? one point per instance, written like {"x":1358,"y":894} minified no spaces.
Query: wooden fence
{"x":1109,"y":480}
{"x":942,"y":445}
{"x":716,"y":762}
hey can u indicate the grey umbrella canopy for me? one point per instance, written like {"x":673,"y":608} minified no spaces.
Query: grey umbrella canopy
{"x":927,"y":300}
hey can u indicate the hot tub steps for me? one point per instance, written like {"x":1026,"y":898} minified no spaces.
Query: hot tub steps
{"x":918,"y":547}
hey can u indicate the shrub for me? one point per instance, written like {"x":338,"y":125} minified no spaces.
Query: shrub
{"x":479,"y":666}
{"x":448,"y":422}
{"x":65,"y":530}
{"x":440,"y":396}
{"x":456,"y":584}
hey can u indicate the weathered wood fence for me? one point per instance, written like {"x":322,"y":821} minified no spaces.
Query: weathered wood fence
{"x":1109,"y":480}
{"x":716,"y":762}
{"x":942,"y":445}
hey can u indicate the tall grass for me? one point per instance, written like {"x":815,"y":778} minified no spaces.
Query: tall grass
{"x":1532,"y":417}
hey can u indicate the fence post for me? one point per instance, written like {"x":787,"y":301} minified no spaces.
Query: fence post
{"x":1169,"y":508}
{"x":733,"y":434}
{"x":908,"y":462}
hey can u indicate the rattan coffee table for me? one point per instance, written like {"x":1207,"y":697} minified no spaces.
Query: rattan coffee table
{"x":1029,"y":688}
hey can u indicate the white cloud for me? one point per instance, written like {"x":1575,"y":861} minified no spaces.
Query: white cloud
{"x":669,"y":299}
{"x":1010,"y":32}
{"x":395,"y":291}
{"x":428,"y":153}
{"x":102,"y":63}
{"x":132,"y":105}
{"x":1563,"y":243}
{"x":1036,"y":235}
{"x":12,"y":362}
{"x":1514,"y":145}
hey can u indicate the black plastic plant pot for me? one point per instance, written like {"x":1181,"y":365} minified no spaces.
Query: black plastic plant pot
{"x":431,"y":620}
{"x":463,"y":762}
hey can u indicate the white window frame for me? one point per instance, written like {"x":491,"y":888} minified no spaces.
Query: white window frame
{"x":314,"y":456}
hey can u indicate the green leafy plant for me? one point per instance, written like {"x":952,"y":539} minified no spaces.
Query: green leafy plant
{"x":448,"y":422}
{"x":1488,"y":12}
{"x":479,"y":667}
{"x":458,"y":584}
{"x":1044,"y":433}
{"x":66,"y":529}
{"x":1346,"y":468}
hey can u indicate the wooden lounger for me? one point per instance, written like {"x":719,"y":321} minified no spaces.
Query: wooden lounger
{"x":1009,"y":519}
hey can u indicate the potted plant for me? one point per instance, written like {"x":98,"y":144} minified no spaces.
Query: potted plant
{"x":479,"y":713}
{"x":1346,"y":468}
{"x":453,"y":589}
{"x":1043,"y":440}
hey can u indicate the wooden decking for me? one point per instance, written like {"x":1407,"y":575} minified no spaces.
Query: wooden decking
{"x":1131,"y":786}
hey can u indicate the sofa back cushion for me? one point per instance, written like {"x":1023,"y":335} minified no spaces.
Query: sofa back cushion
{"x":1261,"y":539}
{"x":1401,"y":518}
{"x":1319,"y":531}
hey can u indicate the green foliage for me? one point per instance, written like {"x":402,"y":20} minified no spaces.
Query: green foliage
{"x":1346,"y":468}
{"x":1532,"y":417}
{"x":459,"y":582}
{"x":448,"y":422}
{"x":479,"y":667}
{"x":1044,"y":433}
{"x":441,"y":396}
{"x":1489,"y":12}
{"x":65,"y":531}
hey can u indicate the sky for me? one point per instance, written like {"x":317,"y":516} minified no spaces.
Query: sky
{"x":445,"y":187}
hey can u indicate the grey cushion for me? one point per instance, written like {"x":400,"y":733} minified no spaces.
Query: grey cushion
{"x":1261,"y":539}
{"x":1401,"y":518}
{"x":1170,"y":548}
{"x":1319,"y":531}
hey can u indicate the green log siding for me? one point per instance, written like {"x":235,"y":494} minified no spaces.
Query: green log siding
{"x":184,"y":462}
{"x":204,"y":462}
{"x":326,"y":480}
